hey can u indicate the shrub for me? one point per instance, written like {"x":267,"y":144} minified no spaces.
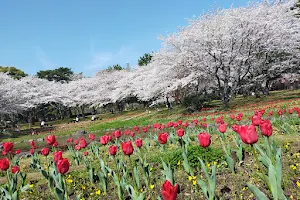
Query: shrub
{"x":196,"y":102}
{"x":173,"y":157}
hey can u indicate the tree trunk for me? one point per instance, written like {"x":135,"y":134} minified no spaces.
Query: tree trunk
{"x":226,"y":91}
{"x":225,"y":98}
{"x":29,"y":119}
{"x":82,"y":111}
{"x":70,"y":112}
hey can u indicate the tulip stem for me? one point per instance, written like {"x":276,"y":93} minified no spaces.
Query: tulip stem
{"x":66,"y":188}
{"x":48,"y":172}
{"x":8,"y":180}
{"x":258,"y":165}
{"x":132,"y":174}
{"x":117,"y":168}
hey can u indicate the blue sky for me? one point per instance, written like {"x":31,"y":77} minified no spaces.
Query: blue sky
{"x":90,"y":35}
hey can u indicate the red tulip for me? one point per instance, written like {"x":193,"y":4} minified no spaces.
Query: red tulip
{"x":180,"y":132}
{"x":256,"y":120}
{"x":169,"y":192}
{"x":179,"y":122}
{"x":132,"y":133}
{"x":163,"y":138}
{"x":76,"y":142}
{"x":45,"y":151}
{"x":262,"y":112}
{"x":280,"y":112}
{"x":117,"y":133}
{"x":270,"y":113}
{"x":232,"y":117}
{"x":204,"y":125}
{"x":15,"y":169}
{"x":127,"y":148}
{"x":266,"y":128}
{"x":92,"y":136}
{"x":50,"y":139}
{"x":136,"y":128}
{"x":170,"y":124}
{"x":18,"y":151}
{"x":4,"y":164}
{"x":222,"y":128}
{"x":145,"y":129}
{"x":85,"y":153}
{"x":195,"y":122}
{"x":110,"y":138}
{"x":235,"y":128}
{"x":139,"y":143}
{"x":31,"y":151}
{"x":82,"y":143}
{"x":104,"y":139}
{"x":55,"y":144}
{"x":8,"y":147}
{"x":77,"y":147}
{"x":204,"y":139}
{"x":70,"y":140}
{"x":113,"y":150}
{"x":63,"y":165}
{"x":57,"y":156}
{"x":32,"y":144}
{"x":239,"y":117}
{"x":248,"y":134}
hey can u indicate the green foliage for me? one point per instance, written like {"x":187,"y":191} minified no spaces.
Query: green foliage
{"x":197,"y":101}
{"x":145,"y":59}
{"x":297,"y":7}
{"x":116,"y":67}
{"x":271,"y":159}
{"x":208,"y":185}
{"x":13,"y":72}
{"x":193,"y":152}
{"x":61,"y":74}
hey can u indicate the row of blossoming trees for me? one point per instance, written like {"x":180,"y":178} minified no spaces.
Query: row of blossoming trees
{"x":120,"y":158}
{"x":227,"y":50}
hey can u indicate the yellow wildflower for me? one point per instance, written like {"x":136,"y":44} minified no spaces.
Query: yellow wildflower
{"x":69,"y":181}
{"x":244,"y":188}
{"x":293,"y":167}
{"x":98,"y":192}
{"x":298,"y":183}
{"x":208,"y":164}
{"x":291,"y":197}
{"x":83,"y":187}
{"x":31,"y":185}
{"x":151,"y":186}
{"x":178,"y":163}
{"x":190,"y":178}
{"x":108,"y":174}
{"x":194,"y":182}
{"x":151,"y":168}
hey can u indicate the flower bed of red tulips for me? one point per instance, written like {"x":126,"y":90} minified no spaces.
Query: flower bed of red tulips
{"x":258,"y":162}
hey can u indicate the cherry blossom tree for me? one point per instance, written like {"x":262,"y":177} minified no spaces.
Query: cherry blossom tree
{"x":229,"y":47}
